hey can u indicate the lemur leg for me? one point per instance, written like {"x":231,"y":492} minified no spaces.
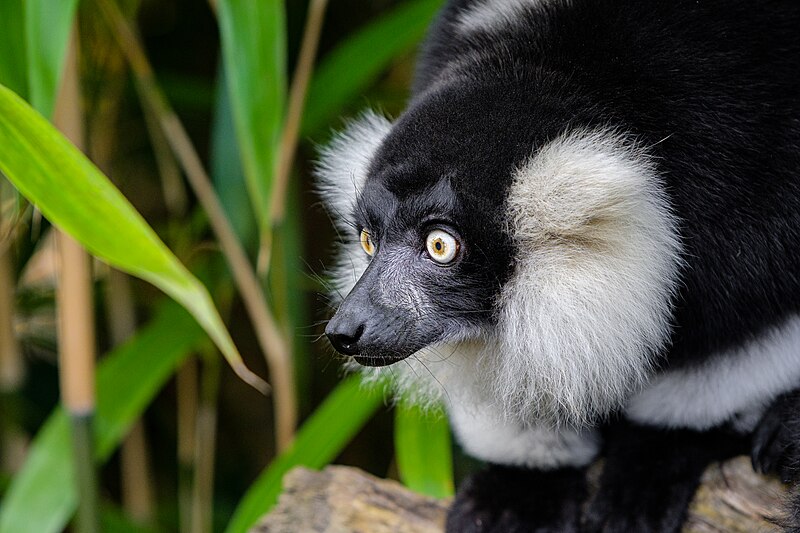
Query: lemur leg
{"x":776,"y":439}
{"x":650,"y":476}
{"x":535,"y":480}
{"x":503,"y":499}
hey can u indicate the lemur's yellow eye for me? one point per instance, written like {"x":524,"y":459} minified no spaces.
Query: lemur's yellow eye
{"x":366,"y":242}
{"x":442,"y":247}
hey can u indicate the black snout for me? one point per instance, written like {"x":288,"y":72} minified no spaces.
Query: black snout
{"x":373,"y":333}
{"x":344,"y":333}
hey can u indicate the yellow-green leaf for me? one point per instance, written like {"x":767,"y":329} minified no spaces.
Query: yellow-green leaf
{"x":423,"y":451}
{"x":75,"y":196}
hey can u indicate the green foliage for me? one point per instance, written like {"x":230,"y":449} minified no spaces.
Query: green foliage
{"x":348,"y":69}
{"x":60,"y":180}
{"x":322,"y":437}
{"x":254,"y":54}
{"x":248,"y":117}
{"x":43,"y":495}
{"x":47,"y":28}
{"x":226,"y":168}
{"x":423,"y":451}
{"x":12,"y":46}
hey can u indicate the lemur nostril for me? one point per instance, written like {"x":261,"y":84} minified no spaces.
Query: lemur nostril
{"x":343,"y":338}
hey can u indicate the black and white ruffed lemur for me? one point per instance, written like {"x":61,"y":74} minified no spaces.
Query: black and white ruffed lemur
{"x":583,"y":237}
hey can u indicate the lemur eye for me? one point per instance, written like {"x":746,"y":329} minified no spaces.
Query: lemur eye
{"x":442,"y":247}
{"x":366,"y":242}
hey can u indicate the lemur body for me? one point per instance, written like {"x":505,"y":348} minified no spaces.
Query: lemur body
{"x":615,"y":187}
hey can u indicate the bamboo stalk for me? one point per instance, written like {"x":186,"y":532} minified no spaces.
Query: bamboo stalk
{"x":268,"y":334}
{"x":294,"y":114}
{"x":175,"y":197}
{"x":76,"y":317}
{"x":11,"y":366}
{"x":291,"y":129}
{"x":76,"y":368}
{"x":206,"y":439}
{"x":186,"y":385}
{"x":12,"y":372}
{"x":136,"y":473}
{"x":175,"y":200}
{"x":137,"y":479}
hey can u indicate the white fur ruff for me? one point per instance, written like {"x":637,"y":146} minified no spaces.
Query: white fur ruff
{"x":341,"y":173}
{"x":589,"y":305}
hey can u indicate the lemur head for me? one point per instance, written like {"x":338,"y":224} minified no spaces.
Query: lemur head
{"x":428,"y":215}
{"x":480,"y":217}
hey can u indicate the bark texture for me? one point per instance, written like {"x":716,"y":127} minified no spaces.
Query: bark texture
{"x":732,"y":499}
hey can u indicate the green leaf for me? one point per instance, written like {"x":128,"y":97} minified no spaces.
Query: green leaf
{"x":226,"y":168}
{"x":423,"y":451}
{"x":346,"y":71}
{"x":12,"y":46}
{"x":43,"y":496}
{"x":47,"y":28}
{"x":74,"y":195}
{"x":254,"y":58}
{"x":334,"y":423}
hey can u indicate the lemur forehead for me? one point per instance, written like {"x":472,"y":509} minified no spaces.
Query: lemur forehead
{"x":382,"y":206}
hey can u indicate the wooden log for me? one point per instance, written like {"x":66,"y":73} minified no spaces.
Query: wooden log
{"x":731,"y":499}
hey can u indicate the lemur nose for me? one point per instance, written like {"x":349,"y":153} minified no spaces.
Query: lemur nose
{"x":344,"y":335}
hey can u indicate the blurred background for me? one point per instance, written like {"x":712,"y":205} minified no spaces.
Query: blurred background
{"x":160,"y":95}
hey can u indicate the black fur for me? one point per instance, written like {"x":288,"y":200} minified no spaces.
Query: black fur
{"x":651,"y":474}
{"x":712,"y":89}
{"x":776,"y":449}
{"x":712,"y":86}
{"x":503,"y":499}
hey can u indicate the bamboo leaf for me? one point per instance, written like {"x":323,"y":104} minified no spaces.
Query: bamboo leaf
{"x":346,"y":71}
{"x":334,"y":423}
{"x":47,"y":27}
{"x":226,"y":168}
{"x":43,"y":496}
{"x":73,"y":194}
{"x":253,"y":52}
{"x":12,"y":46}
{"x":423,"y":451}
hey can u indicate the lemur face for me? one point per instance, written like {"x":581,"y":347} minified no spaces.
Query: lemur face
{"x":437,"y":251}
{"x":426,"y":279}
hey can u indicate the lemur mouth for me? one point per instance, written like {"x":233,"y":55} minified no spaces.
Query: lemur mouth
{"x":377,"y":360}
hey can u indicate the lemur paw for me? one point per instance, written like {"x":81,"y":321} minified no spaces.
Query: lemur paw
{"x":511,"y":500}
{"x":775,"y":446}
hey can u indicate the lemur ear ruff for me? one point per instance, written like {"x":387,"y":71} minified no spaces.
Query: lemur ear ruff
{"x":589,"y":304}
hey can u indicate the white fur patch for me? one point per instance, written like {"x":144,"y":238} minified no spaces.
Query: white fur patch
{"x":452,"y":375}
{"x":486,"y":434}
{"x":493,"y":15}
{"x":727,"y":387}
{"x":341,"y":173}
{"x":589,"y":305}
